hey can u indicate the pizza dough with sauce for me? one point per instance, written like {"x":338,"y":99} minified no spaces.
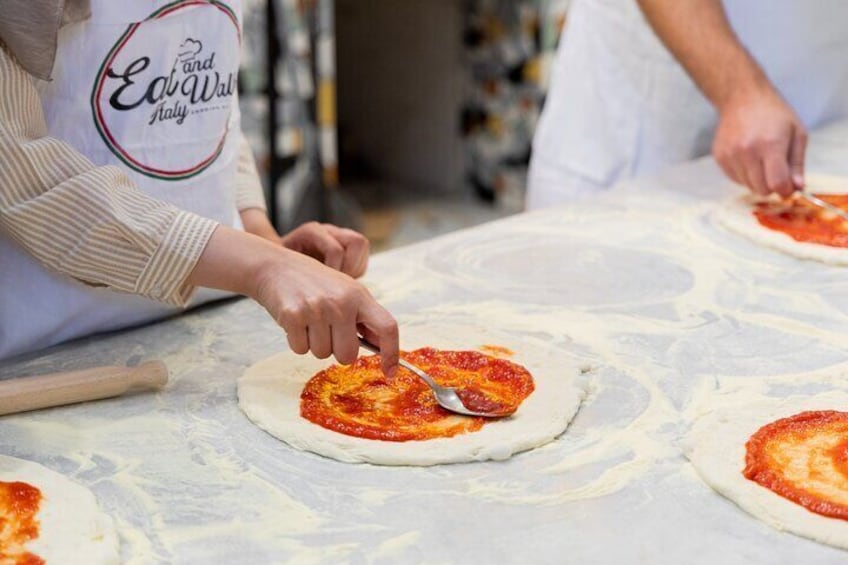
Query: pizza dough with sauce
{"x":72,"y":528}
{"x":269,"y":393}
{"x":736,"y":215}
{"x":716,"y":448}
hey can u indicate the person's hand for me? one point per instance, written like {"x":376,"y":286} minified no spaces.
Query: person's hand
{"x":320,"y":309}
{"x":339,"y":248}
{"x":760,"y":143}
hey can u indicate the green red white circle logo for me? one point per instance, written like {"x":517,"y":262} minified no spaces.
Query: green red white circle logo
{"x":162,"y":98}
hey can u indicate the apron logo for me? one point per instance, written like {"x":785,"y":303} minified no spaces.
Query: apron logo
{"x":150,"y":86}
{"x":191,"y":79}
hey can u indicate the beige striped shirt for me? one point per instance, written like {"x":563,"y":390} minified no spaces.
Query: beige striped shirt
{"x":92,"y":223}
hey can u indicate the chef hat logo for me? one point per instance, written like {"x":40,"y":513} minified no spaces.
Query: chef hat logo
{"x":189,"y":49}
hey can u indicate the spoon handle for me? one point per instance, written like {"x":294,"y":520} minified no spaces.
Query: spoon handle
{"x":813,"y":199}
{"x":368,"y":345}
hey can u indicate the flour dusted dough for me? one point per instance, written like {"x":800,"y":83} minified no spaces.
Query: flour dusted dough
{"x":73,"y":530}
{"x":269,"y":393}
{"x":716,"y":448}
{"x":735,"y":214}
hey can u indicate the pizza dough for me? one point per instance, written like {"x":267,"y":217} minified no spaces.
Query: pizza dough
{"x":735,"y":214}
{"x":716,"y":448}
{"x":269,"y":393}
{"x":73,"y":530}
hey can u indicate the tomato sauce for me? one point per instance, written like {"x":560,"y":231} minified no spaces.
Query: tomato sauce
{"x":19,"y":504}
{"x":359,"y":400}
{"x":806,"y":222}
{"x":804,"y":458}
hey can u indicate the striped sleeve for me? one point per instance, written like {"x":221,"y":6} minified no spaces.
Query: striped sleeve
{"x":89,"y":223}
{"x":249,"y":193}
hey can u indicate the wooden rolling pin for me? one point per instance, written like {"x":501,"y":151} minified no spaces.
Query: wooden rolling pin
{"x":57,"y":389}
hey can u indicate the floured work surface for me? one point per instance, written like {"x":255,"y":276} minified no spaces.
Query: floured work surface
{"x":641,"y":284}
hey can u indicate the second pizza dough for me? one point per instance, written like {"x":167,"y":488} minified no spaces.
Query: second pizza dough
{"x":269,"y":393}
{"x":716,"y":448}
{"x":72,"y":528}
{"x":736,"y":215}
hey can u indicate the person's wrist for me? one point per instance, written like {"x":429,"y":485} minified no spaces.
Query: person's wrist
{"x":745,"y":91}
{"x":227,"y":261}
{"x":266,"y":262}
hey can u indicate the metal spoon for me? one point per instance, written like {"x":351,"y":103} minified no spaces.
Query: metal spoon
{"x":816,"y":201}
{"x":445,"y":396}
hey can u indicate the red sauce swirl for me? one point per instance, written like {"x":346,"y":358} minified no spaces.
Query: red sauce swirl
{"x":359,"y":400}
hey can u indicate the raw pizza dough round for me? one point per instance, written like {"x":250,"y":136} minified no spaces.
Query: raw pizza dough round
{"x":736,"y":215}
{"x":716,"y":448}
{"x":73,"y":530}
{"x":269,"y":393}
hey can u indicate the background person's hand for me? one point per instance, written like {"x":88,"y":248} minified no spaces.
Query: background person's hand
{"x":760,"y":143}
{"x":341,"y":249}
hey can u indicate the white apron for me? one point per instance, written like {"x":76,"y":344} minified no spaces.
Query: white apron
{"x":149,"y":86}
{"x":621,"y":106}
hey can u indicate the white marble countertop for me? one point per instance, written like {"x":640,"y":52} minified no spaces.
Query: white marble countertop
{"x":641,"y":283}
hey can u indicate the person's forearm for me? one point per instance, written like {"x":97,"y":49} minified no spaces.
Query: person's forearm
{"x":759,"y":140}
{"x":698,"y":34}
{"x":84,"y":221}
{"x":232,"y":261}
{"x":256,"y":221}
{"x":250,"y":199}
{"x":249,"y":193}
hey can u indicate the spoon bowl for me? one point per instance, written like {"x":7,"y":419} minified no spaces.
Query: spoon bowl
{"x":449,"y":398}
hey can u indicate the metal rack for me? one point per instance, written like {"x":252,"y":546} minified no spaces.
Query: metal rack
{"x":300,"y":88}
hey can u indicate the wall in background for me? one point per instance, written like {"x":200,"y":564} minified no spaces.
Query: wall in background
{"x":401,"y":84}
